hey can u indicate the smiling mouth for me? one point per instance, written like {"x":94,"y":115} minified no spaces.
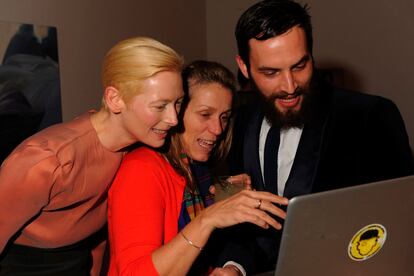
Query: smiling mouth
{"x":160,"y":131}
{"x":290,"y":101}
{"x":206,"y":144}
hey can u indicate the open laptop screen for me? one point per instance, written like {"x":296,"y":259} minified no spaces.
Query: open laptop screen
{"x":361,"y":230}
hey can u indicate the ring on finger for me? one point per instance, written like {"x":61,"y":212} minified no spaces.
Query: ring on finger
{"x":259,"y":204}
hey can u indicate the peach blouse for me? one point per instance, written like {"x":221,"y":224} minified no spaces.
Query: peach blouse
{"x":54,"y":185}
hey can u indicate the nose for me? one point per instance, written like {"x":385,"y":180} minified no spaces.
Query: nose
{"x":289,"y":84}
{"x":171,"y":116}
{"x":216,"y":127}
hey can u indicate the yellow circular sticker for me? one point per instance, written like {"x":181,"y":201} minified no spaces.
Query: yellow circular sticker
{"x":367,"y":242}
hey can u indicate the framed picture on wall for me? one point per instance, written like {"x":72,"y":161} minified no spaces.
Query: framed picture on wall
{"x":29,"y":82}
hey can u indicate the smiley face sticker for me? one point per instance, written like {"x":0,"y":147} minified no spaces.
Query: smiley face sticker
{"x":367,"y":242}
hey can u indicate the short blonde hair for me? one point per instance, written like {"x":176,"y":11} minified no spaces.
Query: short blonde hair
{"x":133,"y":60}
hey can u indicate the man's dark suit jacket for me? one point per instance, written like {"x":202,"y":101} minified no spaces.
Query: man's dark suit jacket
{"x":353,"y":139}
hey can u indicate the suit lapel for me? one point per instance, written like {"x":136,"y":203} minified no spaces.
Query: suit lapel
{"x":302,"y":175}
{"x":251,"y":153}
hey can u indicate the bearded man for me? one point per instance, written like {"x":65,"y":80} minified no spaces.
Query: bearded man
{"x":304,"y":136}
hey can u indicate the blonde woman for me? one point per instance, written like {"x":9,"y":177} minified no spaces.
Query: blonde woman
{"x":53,"y":186}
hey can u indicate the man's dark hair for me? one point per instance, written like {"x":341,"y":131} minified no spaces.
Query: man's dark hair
{"x":270,"y":18}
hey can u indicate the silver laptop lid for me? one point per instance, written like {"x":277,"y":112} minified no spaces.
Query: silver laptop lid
{"x":361,"y":230}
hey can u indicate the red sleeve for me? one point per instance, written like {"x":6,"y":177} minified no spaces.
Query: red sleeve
{"x":26,"y":182}
{"x":136,"y":213}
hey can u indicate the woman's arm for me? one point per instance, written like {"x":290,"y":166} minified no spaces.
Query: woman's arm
{"x":176,"y":257}
{"x":139,"y":214}
{"x":26,"y":178}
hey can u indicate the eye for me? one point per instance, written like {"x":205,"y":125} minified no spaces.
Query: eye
{"x":300,"y":66}
{"x":178,"y":105}
{"x":269,"y":72}
{"x":225,"y":118}
{"x":205,"y":114}
{"x":160,"y":107}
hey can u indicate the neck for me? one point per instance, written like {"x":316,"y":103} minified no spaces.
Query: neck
{"x":109,"y":130}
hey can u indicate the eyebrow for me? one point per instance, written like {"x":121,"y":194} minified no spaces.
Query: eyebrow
{"x":158,"y":101}
{"x":213,"y":108}
{"x":304,"y":59}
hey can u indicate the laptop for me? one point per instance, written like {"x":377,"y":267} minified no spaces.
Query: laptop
{"x":361,"y":230}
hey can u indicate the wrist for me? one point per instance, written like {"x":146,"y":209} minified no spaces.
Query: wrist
{"x":206,"y":223}
{"x":190,"y":242}
{"x":197,"y":232}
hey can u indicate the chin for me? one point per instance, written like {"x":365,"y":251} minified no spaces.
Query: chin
{"x":284,"y":110}
{"x":155,"y":144}
{"x":200,"y":157}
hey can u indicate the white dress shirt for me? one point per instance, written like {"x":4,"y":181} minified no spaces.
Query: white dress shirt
{"x":289,"y":141}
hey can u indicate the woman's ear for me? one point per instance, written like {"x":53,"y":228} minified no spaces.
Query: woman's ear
{"x":113,"y":100}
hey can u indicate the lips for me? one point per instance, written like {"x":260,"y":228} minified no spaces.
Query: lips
{"x":288,"y":102}
{"x":160,"y":132}
{"x":206,"y":144}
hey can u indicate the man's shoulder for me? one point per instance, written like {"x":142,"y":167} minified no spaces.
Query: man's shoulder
{"x":355,"y":101}
{"x":353,"y":97}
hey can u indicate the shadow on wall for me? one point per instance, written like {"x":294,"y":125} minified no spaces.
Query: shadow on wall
{"x":341,"y":76}
{"x":29,"y":83}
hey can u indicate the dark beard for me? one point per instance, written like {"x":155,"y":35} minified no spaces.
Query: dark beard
{"x":291,"y":118}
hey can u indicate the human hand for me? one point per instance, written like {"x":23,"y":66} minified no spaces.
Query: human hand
{"x":229,"y":270}
{"x":246,"y":206}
